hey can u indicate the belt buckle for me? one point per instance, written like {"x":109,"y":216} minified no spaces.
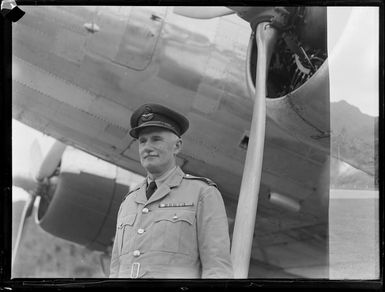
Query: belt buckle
{"x":135,"y":270}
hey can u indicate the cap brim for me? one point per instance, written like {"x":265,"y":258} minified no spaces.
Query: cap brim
{"x":134,"y":132}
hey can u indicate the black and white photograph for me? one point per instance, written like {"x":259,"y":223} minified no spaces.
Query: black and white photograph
{"x":195,"y":142}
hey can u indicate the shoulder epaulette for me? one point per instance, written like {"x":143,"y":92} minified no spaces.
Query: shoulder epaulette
{"x":204,"y":179}
{"x":130,"y":192}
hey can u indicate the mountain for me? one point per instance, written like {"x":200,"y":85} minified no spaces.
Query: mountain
{"x":354,"y":137}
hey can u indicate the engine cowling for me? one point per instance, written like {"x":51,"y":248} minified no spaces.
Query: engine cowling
{"x":300,"y":51}
{"x":81,"y":203}
{"x":83,"y":209}
{"x":298,"y":77}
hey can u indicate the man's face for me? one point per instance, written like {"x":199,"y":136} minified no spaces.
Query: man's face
{"x":157,"y":149}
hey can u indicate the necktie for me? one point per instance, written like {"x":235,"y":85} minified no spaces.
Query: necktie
{"x":150,"y":189}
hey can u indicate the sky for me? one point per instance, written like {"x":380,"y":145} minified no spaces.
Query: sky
{"x":353,"y":75}
{"x":22,"y":158}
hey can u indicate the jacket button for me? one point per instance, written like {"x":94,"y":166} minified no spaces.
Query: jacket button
{"x":136,"y":253}
{"x":145,"y":210}
{"x":140,"y":230}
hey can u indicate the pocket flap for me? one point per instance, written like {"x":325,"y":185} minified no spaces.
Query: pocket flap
{"x":126,"y":220}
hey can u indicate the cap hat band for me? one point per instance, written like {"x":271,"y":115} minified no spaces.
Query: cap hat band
{"x":157,"y":124}
{"x":135,"y":131}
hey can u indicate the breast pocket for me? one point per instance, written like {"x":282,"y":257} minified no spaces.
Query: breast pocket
{"x":174,"y":231}
{"x":124,"y":231}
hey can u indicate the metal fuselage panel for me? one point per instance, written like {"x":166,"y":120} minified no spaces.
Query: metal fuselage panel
{"x":86,"y":93}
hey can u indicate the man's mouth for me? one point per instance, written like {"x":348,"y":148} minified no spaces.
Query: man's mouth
{"x":150,"y":156}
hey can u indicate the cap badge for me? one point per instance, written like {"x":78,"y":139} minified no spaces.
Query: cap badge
{"x":147,"y":114}
{"x":147,"y":117}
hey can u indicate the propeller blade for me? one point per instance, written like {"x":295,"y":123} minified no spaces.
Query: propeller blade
{"x":51,"y":161}
{"x":205,"y":12}
{"x":27,"y":211}
{"x":266,"y":37}
{"x":24,"y":181}
{"x":36,"y":158}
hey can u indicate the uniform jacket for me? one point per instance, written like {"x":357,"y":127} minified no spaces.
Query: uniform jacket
{"x":180,"y":232}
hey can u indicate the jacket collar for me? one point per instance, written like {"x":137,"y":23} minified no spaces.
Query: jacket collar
{"x":172,"y":181}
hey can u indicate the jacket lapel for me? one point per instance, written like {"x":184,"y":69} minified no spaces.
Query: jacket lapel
{"x":141,"y":194}
{"x":174,"y":180}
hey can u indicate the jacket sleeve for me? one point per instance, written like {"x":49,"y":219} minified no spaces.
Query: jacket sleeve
{"x":114,"y":264}
{"x":213,"y":235}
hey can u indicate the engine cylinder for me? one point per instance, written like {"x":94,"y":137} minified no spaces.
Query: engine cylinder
{"x":300,"y":51}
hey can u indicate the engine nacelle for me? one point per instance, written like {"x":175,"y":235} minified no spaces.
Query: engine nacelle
{"x":82,"y":205}
{"x":300,"y":51}
{"x":83,"y":210}
{"x":298,"y":84}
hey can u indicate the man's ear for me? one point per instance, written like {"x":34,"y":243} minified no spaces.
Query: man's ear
{"x":178,"y":146}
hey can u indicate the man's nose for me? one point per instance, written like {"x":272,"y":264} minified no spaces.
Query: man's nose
{"x":146,"y":146}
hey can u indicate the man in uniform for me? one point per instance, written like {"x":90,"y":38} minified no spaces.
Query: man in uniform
{"x":173,"y":225}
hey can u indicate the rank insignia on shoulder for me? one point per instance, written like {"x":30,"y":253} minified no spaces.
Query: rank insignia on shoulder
{"x":204,"y":179}
{"x":130,"y":192}
{"x":170,"y":205}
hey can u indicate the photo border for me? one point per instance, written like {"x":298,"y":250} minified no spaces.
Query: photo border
{"x":180,"y":285}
